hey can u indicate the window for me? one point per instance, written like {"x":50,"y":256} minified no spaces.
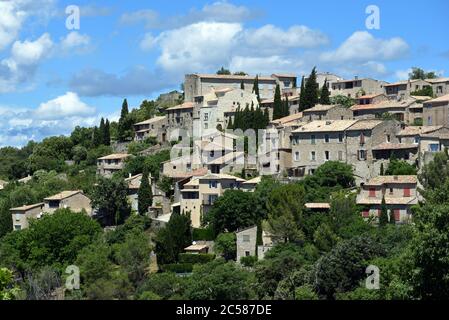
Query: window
{"x":326,"y":155}
{"x":326,"y":138}
{"x":313,"y":156}
{"x":372,"y":192}
{"x":206,"y":126}
{"x":397,"y":214}
{"x":212,"y":154}
{"x":17,"y":227}
{"x":17,"y":215}
{"x":407,"y":192}
{"x":365,"y":213}
{"x":174,"y":167}
{"x":400,"y":140}
{"x":362,"y":155}
{"x":247,"y":253}
{"x":312,"y":139}
{"x":416,"y":139}
{"x":297,"y":156}
{"x":388,"y":138}
{"x":212,"y":184}
{"x":212,"y":198}
{"x":189,"y":166}
{"x":434,"y":147}
{"x":206,"y":117}
{"x":245,"y":238}
{"x":340,"y":155}
{"x":340,"y":137}
{"x":429,"y":120}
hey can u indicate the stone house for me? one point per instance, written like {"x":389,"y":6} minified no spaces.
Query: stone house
{"x":400,"y":193}
{"x":196,"y":85}
{"x":246,"y":242}
{"x":155,"y":127}
{"x":357,"y":87}
{"x":431,"y":141}
{"x":404,"y":89}
{"x":327,"y":112}
{"x":200,"y":193}
{"x":133,"y":183}
{"x":436,"y":111}
{"x":180,"y":119}
{"x":73,"y":200}
{"x":317,"y":142}
{"x":108,"y":165}
{"x":21,"y":216}
{"x":440,"y":86}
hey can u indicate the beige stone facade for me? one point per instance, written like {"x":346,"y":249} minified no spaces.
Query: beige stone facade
{"x":246,"y":242}
{"x":399,"y":192}
{"x":73,"y":200}
{"x":21,"y":216}
{"x":436,"y":111}
{"x":327,"y":112}
{"x":108,"y":165}
{"x":357,"y":87}
{"x":155,"y":127}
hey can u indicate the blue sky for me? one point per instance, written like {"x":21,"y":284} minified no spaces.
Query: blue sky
{"x":52,"y":78}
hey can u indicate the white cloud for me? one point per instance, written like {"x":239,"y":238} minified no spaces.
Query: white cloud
{"x":75,"y":42}
{"x":67,"y":105}
{"x":200,"y":46}
{"x":54,"y":117}
{"x":148,"y":42}
{"x":219,"y":11}
{"x":362,"y":46}
{"x":23,"y":61}
{"x":265,"y":65}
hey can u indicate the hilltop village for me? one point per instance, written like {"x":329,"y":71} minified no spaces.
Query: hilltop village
{"x":259,"y":179}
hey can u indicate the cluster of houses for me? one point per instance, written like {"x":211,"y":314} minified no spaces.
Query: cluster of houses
{"x":387,"y":119}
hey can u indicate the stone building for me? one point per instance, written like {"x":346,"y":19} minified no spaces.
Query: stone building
{"x":357,"y":87}
{"x":196,"y":85}
{"x":399,"y":192}
{"x":404,"y":89}
{"x":327,"y":112}
{"x":436,"y":111}
{"x":155,"y":127}
{"x":21,"y":216}
{"x":108,"y":165}
{"x":440,"y":86}
{"x":76,"y":201}
{"x":246,"y":242}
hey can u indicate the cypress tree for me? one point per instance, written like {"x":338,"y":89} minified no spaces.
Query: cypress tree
{"x":242,"y":85}
{"x":101,"y":131}
{"x":96,"y":139}
{"x":107,"y":134}
{"x":286,"y":110}
{"x":256,"y":88}
{"x":301,"y":95}
{"x":325,"y":94}
{"x":277,"y":108}
{"x":311,"y":91}
{"x":383,"y":219}
{"x":382,"y":170}
{"x":124,"y":125}
{"x":144,"y":195}
{"x":266,"y":115}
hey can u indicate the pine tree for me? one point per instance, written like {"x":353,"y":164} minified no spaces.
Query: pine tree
{"x":325,"y":94}
{"x":301,"y":95}
{"x":383,"y":218}
{"x":256,"y":88}
{"x":107,"y":134}
{"x":124,"y":124}
{"x":277,"y":108}
{"x":266,"y":115}
{"x":311,"y":91}
{"x":101,"y":131}
{"x":144,"y":195}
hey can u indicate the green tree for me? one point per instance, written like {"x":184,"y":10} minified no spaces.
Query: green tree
{"x":277,"y":109}
{"x":383,"y":218}
{"x":223,"y":71}
{"x":144,"y":195}
{"x":285,"y":208}
{"x":218,"y":280}
{"x":226,"y":246}
{"x":256,"y":88}
{"x":8,"y":290}
{"x":400,"y":168}
{"x":242,"y":85}
{"x":436,"y":172}
{"x":110,"y":198}
{"x":107,"y":134}
{"x":125,"y":123}
{"x":232,"y":211}
{"x":310,"y":91}
{"x":173,"y":238}
{"x":302,"y":95}
{"x":342,"y":100}
{"x":325,"y":94}
{"x":418,"y":73}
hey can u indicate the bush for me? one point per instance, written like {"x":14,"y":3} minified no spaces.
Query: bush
{"x":206,"y":234}
{"x":195,"y":258}
{"x":177,"y":267}
{"x":248,"y":261}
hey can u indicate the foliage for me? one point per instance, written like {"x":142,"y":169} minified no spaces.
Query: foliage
{"x":249,"y":261}
{"x":418,"y":73}
{"x":177,"y":267}
{"x":173,"y":238}
{"x":342,"y":100}
{"x":206,"y":234}
{"x":223,"y":71}
{"x":144,"y":194}
{"x":219,"y":280}
{"x":226,"y":246}
{"x":165,"y":285}
{"x":310,"y":95}
{"x":436,"y":172}
{"x":196,"y":258}
{"x":8,"y":291}
{"x":325,"y":94}
{"x":110,"y":198}
{"x":305,"y":293}
{"x":425,"y":91}
{"x":233,"y":210}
